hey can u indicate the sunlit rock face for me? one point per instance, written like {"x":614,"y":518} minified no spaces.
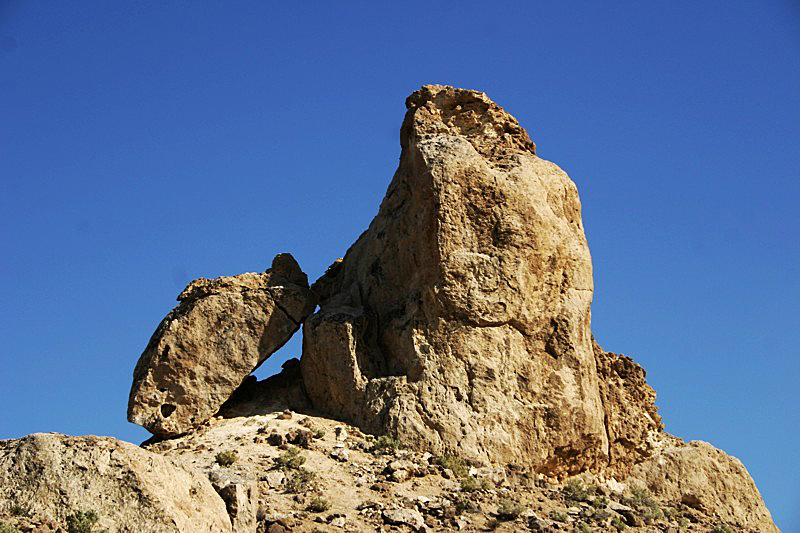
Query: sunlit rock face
{"x":460,"y":319}
{"x":221,"y":331}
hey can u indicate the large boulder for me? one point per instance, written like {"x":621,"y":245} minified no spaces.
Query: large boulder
{"x":52,"y":476}
{"x":221,"y":331}
{"x":704,"y":477}
{"x":459,"y":320}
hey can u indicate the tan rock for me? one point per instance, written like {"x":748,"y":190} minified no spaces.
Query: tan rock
{"x":130,"y":489}
{"x":632,"y":420}
{"x":222,"y":330}
{"x":460,"y":319}
{"x":704,"y":477}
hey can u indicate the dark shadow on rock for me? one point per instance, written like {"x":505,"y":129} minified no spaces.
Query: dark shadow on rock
{"x":276,"y":393}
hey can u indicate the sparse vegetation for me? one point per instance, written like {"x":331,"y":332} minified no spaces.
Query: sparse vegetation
{"x":82,"y":522}
{"x":318,"y":504}
{"x":618,"y":524}
{"x":297,"y":482}
{"x":291,"y":459}
{"x":643,"y":501}
{"x":5,"y":527}
{"x":575,"y":490}
{"x":19,"y":510}
{"x":583,"y":527}
{"x":385,"y":444}
{"x":318,"y":433}
{"x":558,"y":516}
{"x":509,"y":510}
{"x":454,"y":463}
{"x":471,"y":484}
{"x":226,"y":458}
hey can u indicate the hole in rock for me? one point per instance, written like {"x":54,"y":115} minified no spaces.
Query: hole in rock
{"x":167,"y":409}
{"x":292,"y":349}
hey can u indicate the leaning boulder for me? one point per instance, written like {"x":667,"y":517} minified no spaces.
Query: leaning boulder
{"x":221,"y":331}
{"x":129,"y":489}
{"x":459,"y":321}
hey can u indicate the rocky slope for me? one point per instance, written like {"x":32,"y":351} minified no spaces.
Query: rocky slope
{"x":451,"y":354}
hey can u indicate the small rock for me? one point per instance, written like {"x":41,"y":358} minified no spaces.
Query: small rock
{"x":286,"y":415}
{"x":275,"y":439}
{"x":341,"y":433}
{"x":460,"y":523}
{"x":338,"y":520}
{"x":299,"y":437}
{"x":409,"y":517}
{"x":448,"y":474}
{"x":274,"y":478}
{"x":399,"y":476}
{"x":341,"y":454}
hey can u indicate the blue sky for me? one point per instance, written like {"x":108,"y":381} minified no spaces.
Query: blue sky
{"x":144,"y":144}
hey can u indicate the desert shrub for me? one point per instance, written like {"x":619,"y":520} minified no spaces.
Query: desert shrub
{"x":290,"y":459}
{"x":82,"y":522}
{"x":575,"y":490}
{"x":318,"y":433}
{"x":509,"y":510}
{"x":471,"y":484}
{"x":583,"y":527}
{"x":19,"y":510}
{"x":454,"y":463}
{"x":558,"y":516}
{"x":385,"y":444}
{"x":600,"y":501}
{"x":318,"y":504}
{"x":618,"y":524}
{"x":226,"y":458}
{"x":297,"y":482}
{"x":643,"y":501}
{"x":5,"y":527}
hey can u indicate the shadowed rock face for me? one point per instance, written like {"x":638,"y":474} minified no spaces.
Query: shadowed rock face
{"x":460,"y":319}
{"x":205,"y":347}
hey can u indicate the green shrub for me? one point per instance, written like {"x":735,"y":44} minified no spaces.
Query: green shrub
{"x":226,"y":458}
{"x":618,"y":524}
{"x":318,"y":504}
{"x":470,"y":484}
{"x":600,"y":502}
{"x":575,"y":490}
{"x":385,"y":444}
{"x":82,"y":522}
{"x":456,"y":464}
{"x":5,"y":527}
{"x":583,"y":527}
{"x":290,"y":459}
{"x":318,"y":433}
{"x":18,"y":510}
{"x":509,"y":510}
{"x":558,"y":516}
{"x":297,"y":482}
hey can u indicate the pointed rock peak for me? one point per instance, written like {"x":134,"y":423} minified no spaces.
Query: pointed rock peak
{"x":442,"y":109}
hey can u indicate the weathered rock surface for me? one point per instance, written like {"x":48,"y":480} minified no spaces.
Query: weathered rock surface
{"x":132,"y":490}
{"x":459,"y":320}
{"x":632,"y":420}
{"x":705,"y":478}
{"x":220,"y":332}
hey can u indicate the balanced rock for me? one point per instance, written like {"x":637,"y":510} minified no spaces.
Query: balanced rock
{"x":130,"y":489}
{"x":221,"y":331}
{"x":459,"y":321}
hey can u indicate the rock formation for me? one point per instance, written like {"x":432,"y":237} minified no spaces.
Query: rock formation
{"x":130,"y":489}
{"x":459,"y":320}
{"x":222,"y":330}
{"x":457,"y":325}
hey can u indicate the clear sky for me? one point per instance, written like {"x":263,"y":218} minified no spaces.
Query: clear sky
{"x":144,"y":144}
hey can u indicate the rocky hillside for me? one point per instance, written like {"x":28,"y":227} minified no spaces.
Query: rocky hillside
{"x":449,"y":380}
